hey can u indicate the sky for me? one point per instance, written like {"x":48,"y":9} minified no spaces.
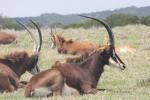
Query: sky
{"x":26,"y":8}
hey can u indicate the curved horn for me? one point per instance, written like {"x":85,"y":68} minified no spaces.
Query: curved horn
{"x":110,"y":33}
{"x":52,"y":37}
{"x":31,"y":34}
{"x":51,"y":33}
{"x":39,"y":42}
{"x":55,"y":28}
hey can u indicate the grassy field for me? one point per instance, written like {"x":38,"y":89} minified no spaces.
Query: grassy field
{"x":131,"y":84}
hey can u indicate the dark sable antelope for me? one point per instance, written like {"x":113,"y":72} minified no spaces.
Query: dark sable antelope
{"x":6,"y":38}
{"x":13,"y":65}
{"x":70,"y":46}
{"x":82,"y":75}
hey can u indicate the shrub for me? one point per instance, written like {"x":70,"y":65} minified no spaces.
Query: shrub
{"x":145,"y":20}
{"x":121,"y":19}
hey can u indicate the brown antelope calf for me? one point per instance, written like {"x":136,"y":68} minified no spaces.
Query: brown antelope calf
{"x":13,"y":65}
{"x":6,"y":38}
{"x":82,"y":76}
{"x":70,"y":46}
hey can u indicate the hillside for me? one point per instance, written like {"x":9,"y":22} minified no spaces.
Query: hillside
{"x":47,"y":19}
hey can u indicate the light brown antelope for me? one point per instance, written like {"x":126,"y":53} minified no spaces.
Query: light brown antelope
{"x":70,"y":46}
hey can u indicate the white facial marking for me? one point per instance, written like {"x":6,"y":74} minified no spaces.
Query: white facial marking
{"x":52,"y":45}
{"x":34,"y":70}
{"x":116,"y":65}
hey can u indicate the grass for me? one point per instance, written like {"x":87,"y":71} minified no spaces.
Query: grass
{"x":131,"y":84}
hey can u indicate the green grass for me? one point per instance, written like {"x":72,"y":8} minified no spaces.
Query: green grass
{"x":131,"y":84}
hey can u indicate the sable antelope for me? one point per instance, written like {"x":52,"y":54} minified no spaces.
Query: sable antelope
{"x":9,"y":79}
{"x":83,"y":75}
{"x":70,"y":46}
{"x":6,"y":38}
{"x":13,"y":65}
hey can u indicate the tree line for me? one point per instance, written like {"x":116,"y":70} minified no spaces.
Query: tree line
{"x":113,"y":20}
{"x":8,"y":23}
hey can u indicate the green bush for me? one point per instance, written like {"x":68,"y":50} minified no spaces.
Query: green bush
{"x":145,"y":20}
{"x":122,"y":19}
{"x":113,"y":20}
{"x":85,"y":24}
{"x":8,"y":23}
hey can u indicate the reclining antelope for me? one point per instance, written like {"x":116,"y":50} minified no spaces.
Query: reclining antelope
{"x":82,"y":75}
{"x":13,"y":65}
{"x":6,"y":38}
{"x":70,"y":46}
{"x":79,"y":48}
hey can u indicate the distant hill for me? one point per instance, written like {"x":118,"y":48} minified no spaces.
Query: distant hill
{"x":47,"y":19}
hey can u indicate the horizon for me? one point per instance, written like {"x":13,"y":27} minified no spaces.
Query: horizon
{"x":74,"y":13}
{"x":24,"y":9}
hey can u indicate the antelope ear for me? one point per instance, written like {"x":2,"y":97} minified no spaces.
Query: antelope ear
{"x":62,"y":40}
{"x":70,"y":41}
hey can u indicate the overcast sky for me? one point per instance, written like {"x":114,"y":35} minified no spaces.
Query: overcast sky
{"x":23,"y":8}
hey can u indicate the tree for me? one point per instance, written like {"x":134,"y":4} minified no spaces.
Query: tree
{"x":6,"y":22}
{"x":122,"y":19}
{"x":84,"y":24}
{"x":145,"y":20}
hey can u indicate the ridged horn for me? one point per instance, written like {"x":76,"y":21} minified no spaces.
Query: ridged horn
{"x":39,"y":41}
{"x":31,"y":34}
{"x":110,"y":33}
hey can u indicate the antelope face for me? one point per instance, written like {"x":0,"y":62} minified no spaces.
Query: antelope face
{"x":32,"y":66}
{"x":111,"y":44}
{"x":31,"y":61}
{"x":34,"y":70}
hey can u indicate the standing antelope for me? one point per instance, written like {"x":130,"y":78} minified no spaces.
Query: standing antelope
{"x":82,"y":76}
{"x":6,"y":38}
{"x":13,"y":65}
